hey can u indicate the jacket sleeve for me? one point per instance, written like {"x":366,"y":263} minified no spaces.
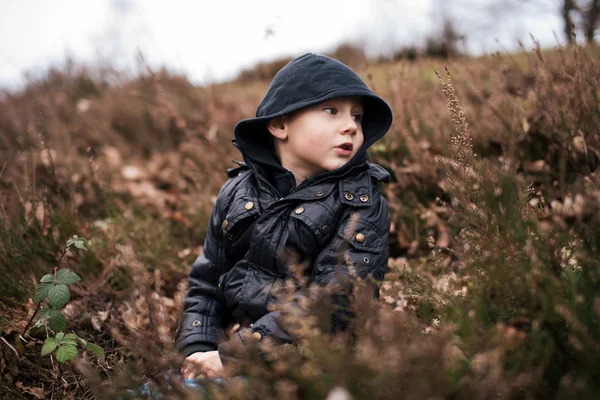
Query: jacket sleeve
{"x":359,"y":248}
{"x":205,"y":314}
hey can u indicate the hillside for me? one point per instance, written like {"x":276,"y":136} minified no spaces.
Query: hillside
{"x":493,"y":282}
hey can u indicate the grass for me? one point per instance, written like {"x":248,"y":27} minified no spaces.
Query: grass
{"x":492,"y":288}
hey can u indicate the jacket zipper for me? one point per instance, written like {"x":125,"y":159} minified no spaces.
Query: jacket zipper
{"x":269,"y":185}
{"x":265,"y":181}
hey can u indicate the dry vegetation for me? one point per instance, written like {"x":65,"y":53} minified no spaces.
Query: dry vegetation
{"x":493,"y":283}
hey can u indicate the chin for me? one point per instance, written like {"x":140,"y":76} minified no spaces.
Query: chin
{"x":332,"y":166}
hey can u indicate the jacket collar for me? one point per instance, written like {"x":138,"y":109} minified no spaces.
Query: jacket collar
{"x":355,"y":189}
{"x":355,"y":186}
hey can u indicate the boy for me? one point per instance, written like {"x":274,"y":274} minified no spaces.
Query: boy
{"x":306,"y":172}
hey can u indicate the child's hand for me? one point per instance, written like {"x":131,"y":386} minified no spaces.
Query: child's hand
{"x":207,"y":363}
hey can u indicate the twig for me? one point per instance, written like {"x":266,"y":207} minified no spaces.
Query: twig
{"x":11,"y":346}
{"x":79,"y":385}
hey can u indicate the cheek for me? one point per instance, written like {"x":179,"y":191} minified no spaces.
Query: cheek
{"x":312,"y":143}
{"x":360,"y":140}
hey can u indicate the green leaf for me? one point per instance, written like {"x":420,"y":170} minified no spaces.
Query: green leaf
{"x":43,"y":316}
{"x":79,"y":245}
{"x":41,"y":292}
{"x":57,"y":321}
{"x":67,"y":277}
{"x":58,"y":296}
{"x":59,"y":336}
{"x":44,"y":313}
{"x":70,"y":242}
{"x":71,"y":336}
{"x":49,"y":346}
{"x":47,"y":278}
{"x":96,"y":350}
{"x":66,"y":352}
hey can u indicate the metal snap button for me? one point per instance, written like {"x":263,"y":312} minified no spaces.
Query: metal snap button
{"x":299,"y":210}
{"x":319,"y":194}
{"x":257,"y":335}
{"x":366,"y":260}
{"x":360,"y":237}
{"x":349,"y":196}
{"x":225,"y":224}
{"x":325,"y":229}
{"x":196,"y":323}
{"x":364,"y":198}
{"x":249,"y":205}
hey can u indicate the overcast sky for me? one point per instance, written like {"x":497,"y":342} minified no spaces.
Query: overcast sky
{"x":212,"y":40}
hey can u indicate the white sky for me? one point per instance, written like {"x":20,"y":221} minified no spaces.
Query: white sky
{"x":212,"y":40}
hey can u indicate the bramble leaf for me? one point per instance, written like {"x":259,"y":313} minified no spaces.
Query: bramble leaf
{"x":96,"y":350}
{"x":57,"y":321}
{"x":49,"y":346}
{"x":41,"y":292}
{"x":66,"y":352}
{"x":67,"y":277}
{"x":59,"y":336}
{"x":48,"y":278}
{"x":58,"y":295}
{"x":71,"y":336}
{"x":44,"y":312}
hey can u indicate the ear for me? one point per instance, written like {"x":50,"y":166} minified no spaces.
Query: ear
{"x":278,"y":127}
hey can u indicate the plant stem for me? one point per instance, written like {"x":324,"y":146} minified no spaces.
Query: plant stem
{"x":40,"y":303}
{"x":31,"y":319}
{"x":60,"y":258}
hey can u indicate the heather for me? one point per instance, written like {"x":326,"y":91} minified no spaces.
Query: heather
{"x":491,"y":290}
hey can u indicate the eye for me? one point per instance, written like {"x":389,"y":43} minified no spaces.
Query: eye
{"x":358,"y":117}
{"x":334,"y":111}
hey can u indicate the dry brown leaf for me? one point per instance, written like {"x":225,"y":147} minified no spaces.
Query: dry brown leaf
{"x":99,"y":319}
{"x":38,"y":393}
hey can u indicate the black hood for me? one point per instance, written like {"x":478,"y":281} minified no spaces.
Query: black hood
{"x":307,"y":80}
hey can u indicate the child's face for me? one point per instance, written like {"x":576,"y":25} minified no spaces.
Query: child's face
{"x":319,"y":138}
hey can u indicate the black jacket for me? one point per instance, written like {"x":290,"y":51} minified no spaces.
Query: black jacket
{"x":260,"y":215}
{"x":234,"y":276}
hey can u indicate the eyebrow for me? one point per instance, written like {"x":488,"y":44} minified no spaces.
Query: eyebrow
{"x":358,"y":107}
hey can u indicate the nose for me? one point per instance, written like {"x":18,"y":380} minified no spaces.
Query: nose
{"x":350,"y":126}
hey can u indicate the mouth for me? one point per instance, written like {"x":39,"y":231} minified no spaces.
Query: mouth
{"x":346,"y":146}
